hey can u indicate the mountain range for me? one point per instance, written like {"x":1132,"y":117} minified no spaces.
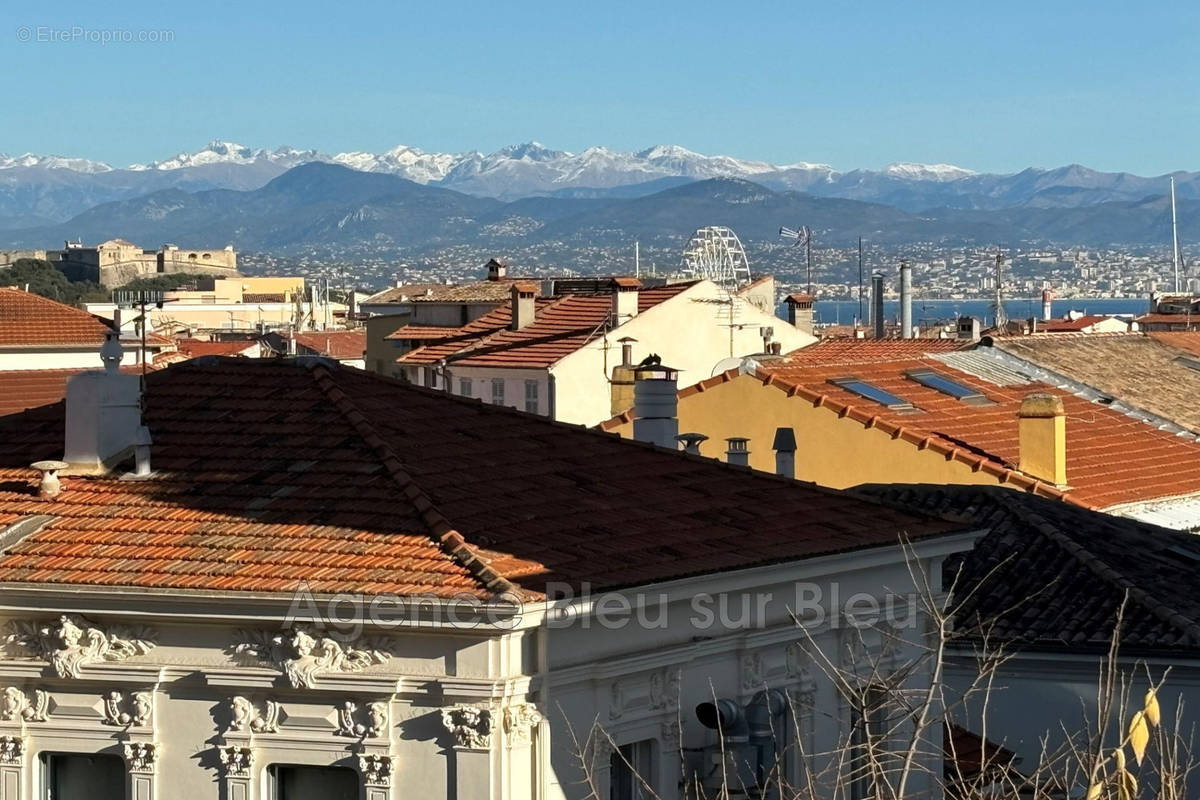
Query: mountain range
{"x":36,"y":191}
{"x":319,"y":204}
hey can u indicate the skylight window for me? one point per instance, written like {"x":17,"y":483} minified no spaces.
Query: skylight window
{"x":1189,"y":361}
{"x":946,"y":385}
{"x":873,"y":392}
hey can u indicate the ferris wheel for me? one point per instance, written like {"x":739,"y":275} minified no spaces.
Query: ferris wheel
{"x":716,"y":253}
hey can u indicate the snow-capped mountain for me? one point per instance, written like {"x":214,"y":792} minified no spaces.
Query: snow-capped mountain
{"x":56,"y":188}
{"x":53,"y":162}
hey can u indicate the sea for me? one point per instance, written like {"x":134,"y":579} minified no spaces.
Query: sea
{"x":927,"y":312}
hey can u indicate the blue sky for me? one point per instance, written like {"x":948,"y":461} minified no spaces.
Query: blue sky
{"x":990,"y":86}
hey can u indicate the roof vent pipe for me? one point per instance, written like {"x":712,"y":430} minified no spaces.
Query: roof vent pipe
{"x":49,"y":487}
{"x":691,"y":442}
{"x":655,"y":404}
{"x":906,"y":326}
{"x":141,"y":452}
{"x":738,"y":450}
{"x":785,"y":452}
{"x":877,"y":304}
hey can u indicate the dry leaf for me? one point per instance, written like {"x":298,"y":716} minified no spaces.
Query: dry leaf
{"x":1151,"y":704}
{"x":1139,"y":736}
{"x":1094,"y":790}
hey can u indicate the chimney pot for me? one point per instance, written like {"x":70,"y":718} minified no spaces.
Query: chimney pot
{"x":624,"y":299}
{"x":103,"y":413}
{"x":906,"y":326}
{"x":496,"y":270}
{"x":655,"y":404}
{"x":49,"y":487}
{"x":737,"y":450}
{"x":1042,"y":435}
{"x":691,"y":442}
{"x":877,"y":304}
{"x":785,"y":452}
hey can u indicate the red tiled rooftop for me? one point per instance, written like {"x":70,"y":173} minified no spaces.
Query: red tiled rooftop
{"x":270,"y":472}
{"x":849,"y":351}
{"x":21,"y":389}
{"x":560,"y":327}
{"x":334,"y":344}
{"x":1112,"y":458}
{"x":418,"y":333}
{"x":1188,"y":341}
{"x":194,"y":348}
{"x":30,"y":320}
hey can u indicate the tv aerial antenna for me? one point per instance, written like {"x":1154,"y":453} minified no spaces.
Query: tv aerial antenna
{"x":801,"y":236}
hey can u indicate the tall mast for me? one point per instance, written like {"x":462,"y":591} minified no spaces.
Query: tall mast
{"x":1174,"y":237}
{"x":808,"y":256}
{"x":637,"y":260}
{"x":860,"y":280}
{"x":998,"y":304}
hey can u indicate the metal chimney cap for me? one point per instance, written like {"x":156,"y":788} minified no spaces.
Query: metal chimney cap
{"x":691,"y":438}
{"x":49,"y":466}
{"x":625,"y":339}
{"x":785,"y":440}
{"x":737,"y":443}
{"x":655,"y":372}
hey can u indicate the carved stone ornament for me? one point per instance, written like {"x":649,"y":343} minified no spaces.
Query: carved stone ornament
{"x":245,"y":717}
{"x":17,"y":705}
{"x":519,"y":721}
{"x":133,"y":710}
{"x":664,"y":689}
{"x":70,"y":642}
{"x":303,"y":653}
{"x":671,"y":734}
{"x":141,"y":756}
{"x":236,"y":761}
{"x":376,"y":769}
{"x":470,"y":726}
{"x":12,"y":750}
{"x":369,"y":722}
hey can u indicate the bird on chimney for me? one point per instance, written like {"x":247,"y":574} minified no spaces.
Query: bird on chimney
{"x":652,"y":360}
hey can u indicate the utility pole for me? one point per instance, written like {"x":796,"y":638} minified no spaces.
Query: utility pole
{"x":1174,"y":236}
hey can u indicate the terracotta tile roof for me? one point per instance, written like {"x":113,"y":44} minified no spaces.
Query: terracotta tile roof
{"x":474,"y":292}
{"x":560,"y":327}
{"x":269,"y":472}
{"x":334,"y":344}
{"x":1052,"y":575}
{"x":1137,"y":369}
{"x":423,"y":333}
{"x":27,"y":319}
{"x":1112,"y":458}
{"x":1188,"y":321}
{"x":850,"y":351}
{"x":1067,"y":325}
{"x":194,"y":348}
{"x":1187,"y":341}
{"x":30,"y":388}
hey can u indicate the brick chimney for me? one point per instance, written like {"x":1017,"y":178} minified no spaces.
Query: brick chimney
{"x":524,"y":304}
{"x":1042,"y":433}
{"x":104,"y":415}
{"x":624,"y":299}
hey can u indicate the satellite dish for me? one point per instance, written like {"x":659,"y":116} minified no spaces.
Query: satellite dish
{"x":715,"y":253}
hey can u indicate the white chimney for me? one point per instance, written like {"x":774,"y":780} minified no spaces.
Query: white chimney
{"x":906,"y":326}
{"x":524,"y":305}
{"x":738,"y":450}
{"x":496,"y":270}
{"x":1047,"y":305}
{"x":103,"y":413}
{"x":625,"y":299}
{"x":655,"y":404}
{"x":785,"y":452}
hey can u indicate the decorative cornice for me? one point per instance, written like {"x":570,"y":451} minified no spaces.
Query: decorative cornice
{"x":471,"y":726}
{"x":71,"y":642}
{"x":236,"y":761}
{"x":376,"y":769}
{"x":303,"y":654}
{"x":141,"y":757}
{"x":134,"y":710}
{"x":368,"y":722}
{"x":17,"y":705}
{"x":244,"y":716}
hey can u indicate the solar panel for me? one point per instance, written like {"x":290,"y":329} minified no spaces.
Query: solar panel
{"x":871,"y":392}
{"x":945,"y":385}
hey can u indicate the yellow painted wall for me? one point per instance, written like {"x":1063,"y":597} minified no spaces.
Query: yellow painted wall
{"x":831,"y":450}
